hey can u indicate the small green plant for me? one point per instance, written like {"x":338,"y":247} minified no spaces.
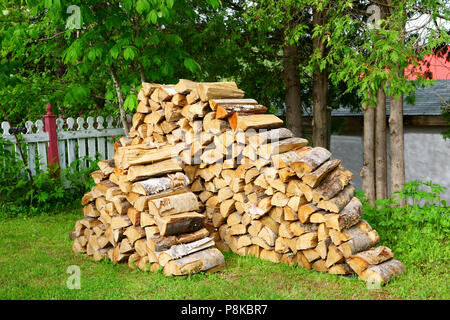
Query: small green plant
{"x":48,"y":191}
{"x":424,"y":209}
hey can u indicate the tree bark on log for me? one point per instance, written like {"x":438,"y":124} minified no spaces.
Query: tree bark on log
{"x":180,"y":223}
{"x":359,"y":243}
{"x":156,"y":185}
{"x":338,"y":202}
{"x":362,"y":260}
{"x":173,"y":204}
{"x":209,"y":260}
{"x":310,"y":161}
{"x":141,"y":172}
{"x":161,"y":243}
{"x":314,"y":178}
{"x":347,"y":217}
{"x":383,"y":272}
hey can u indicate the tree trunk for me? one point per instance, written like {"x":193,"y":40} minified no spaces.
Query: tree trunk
{"x":320,"y":91}
{"x":123,"y":116}
{"x":293,"y":90}
{"x":397,"y":157}
{"x":380,"y":146}
{"x":368,"y":169}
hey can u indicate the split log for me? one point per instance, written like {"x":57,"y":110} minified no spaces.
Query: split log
{"x":156,"y":185}
{"x":219,"y":90}
{"x":210,"y":260}
{"x":314,"y":178}
{"x":320,"y":266}
{"x":305,"y":211}
{"x":159,"y":243}
{"x":334,"y":256}
{"x":284,"y":160}
{"x":341,"y":268}
{"x":281,"y":245}
{"x":98,"y":176}
{"x":298,"y":228}
{"x":347,"y":217}
{"x":332,"y":184}
{"x":311,"y":254}
{"x":180,"y":223}
{"x":360,"y":243}
{"x":337,"y":203}
{"x":260,"y":242}
{"x":118,"y":256}
{"x":121,"y":204}
{"x":149,"y":88}
{"x":258,"y":121}
{"x":307,"y":241}
{"x":237,"y":229}
{"x":269,"y":136}
{"x":134,"y":233}
{"x":143,"y":156}
{"x":118,"y":222}
{"x":255,"y":227}
{"x":106,"y":166}
{"x":268,"y":236}
{"x":88,"y":197}
{"x":302,"y":261}
{"x":289,"y":258}
{"x":173,"y":204}
{"x":181,"y":250}
{"x":268,"y":150}
{"x":382,"y":273}
{"x":151,"y":170}
{"x":226,"y":111}
{"x":344,"y":235}
{"x":310,"y":161}
{"x":362,"y":260}
{"x":185,"y":86}
{"x":322,"y":248}
{"x":270,"y":255}
{"x":215,"y":103}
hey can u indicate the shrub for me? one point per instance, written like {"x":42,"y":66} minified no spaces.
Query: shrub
{"x":424,"y":209}
{"x":48,"y":192}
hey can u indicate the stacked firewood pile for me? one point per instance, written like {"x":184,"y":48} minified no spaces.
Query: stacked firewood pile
{"x":203,"y":168}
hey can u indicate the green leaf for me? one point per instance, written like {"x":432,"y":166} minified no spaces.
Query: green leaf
{"x":190,"y":64}
{"x":114,"y":52}
{"x":129,"y":53}
{"x":214,"y":3}
{"x":142,"y":5}
{"x":153,"y":16}
{"x":130,"y":103}
{"x":170,"y":3}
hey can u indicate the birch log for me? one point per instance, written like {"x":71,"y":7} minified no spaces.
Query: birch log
{"x":362,"y":260}
{"x":173,"y":204}
{"x":210,"y":260}
{"x":180,"y":223}
{"x":382,"y":273}
{"x":155,"y":185}
{"x":310,"y":161}
{"x":337,"y":203}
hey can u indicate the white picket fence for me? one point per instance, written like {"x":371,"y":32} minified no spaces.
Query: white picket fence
{"x":76,"y":139}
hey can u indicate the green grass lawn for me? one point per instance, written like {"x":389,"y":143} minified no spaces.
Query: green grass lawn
{"x":36,"y":252}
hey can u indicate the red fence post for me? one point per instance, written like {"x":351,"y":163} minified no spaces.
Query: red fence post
{"x":52,"y":146}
